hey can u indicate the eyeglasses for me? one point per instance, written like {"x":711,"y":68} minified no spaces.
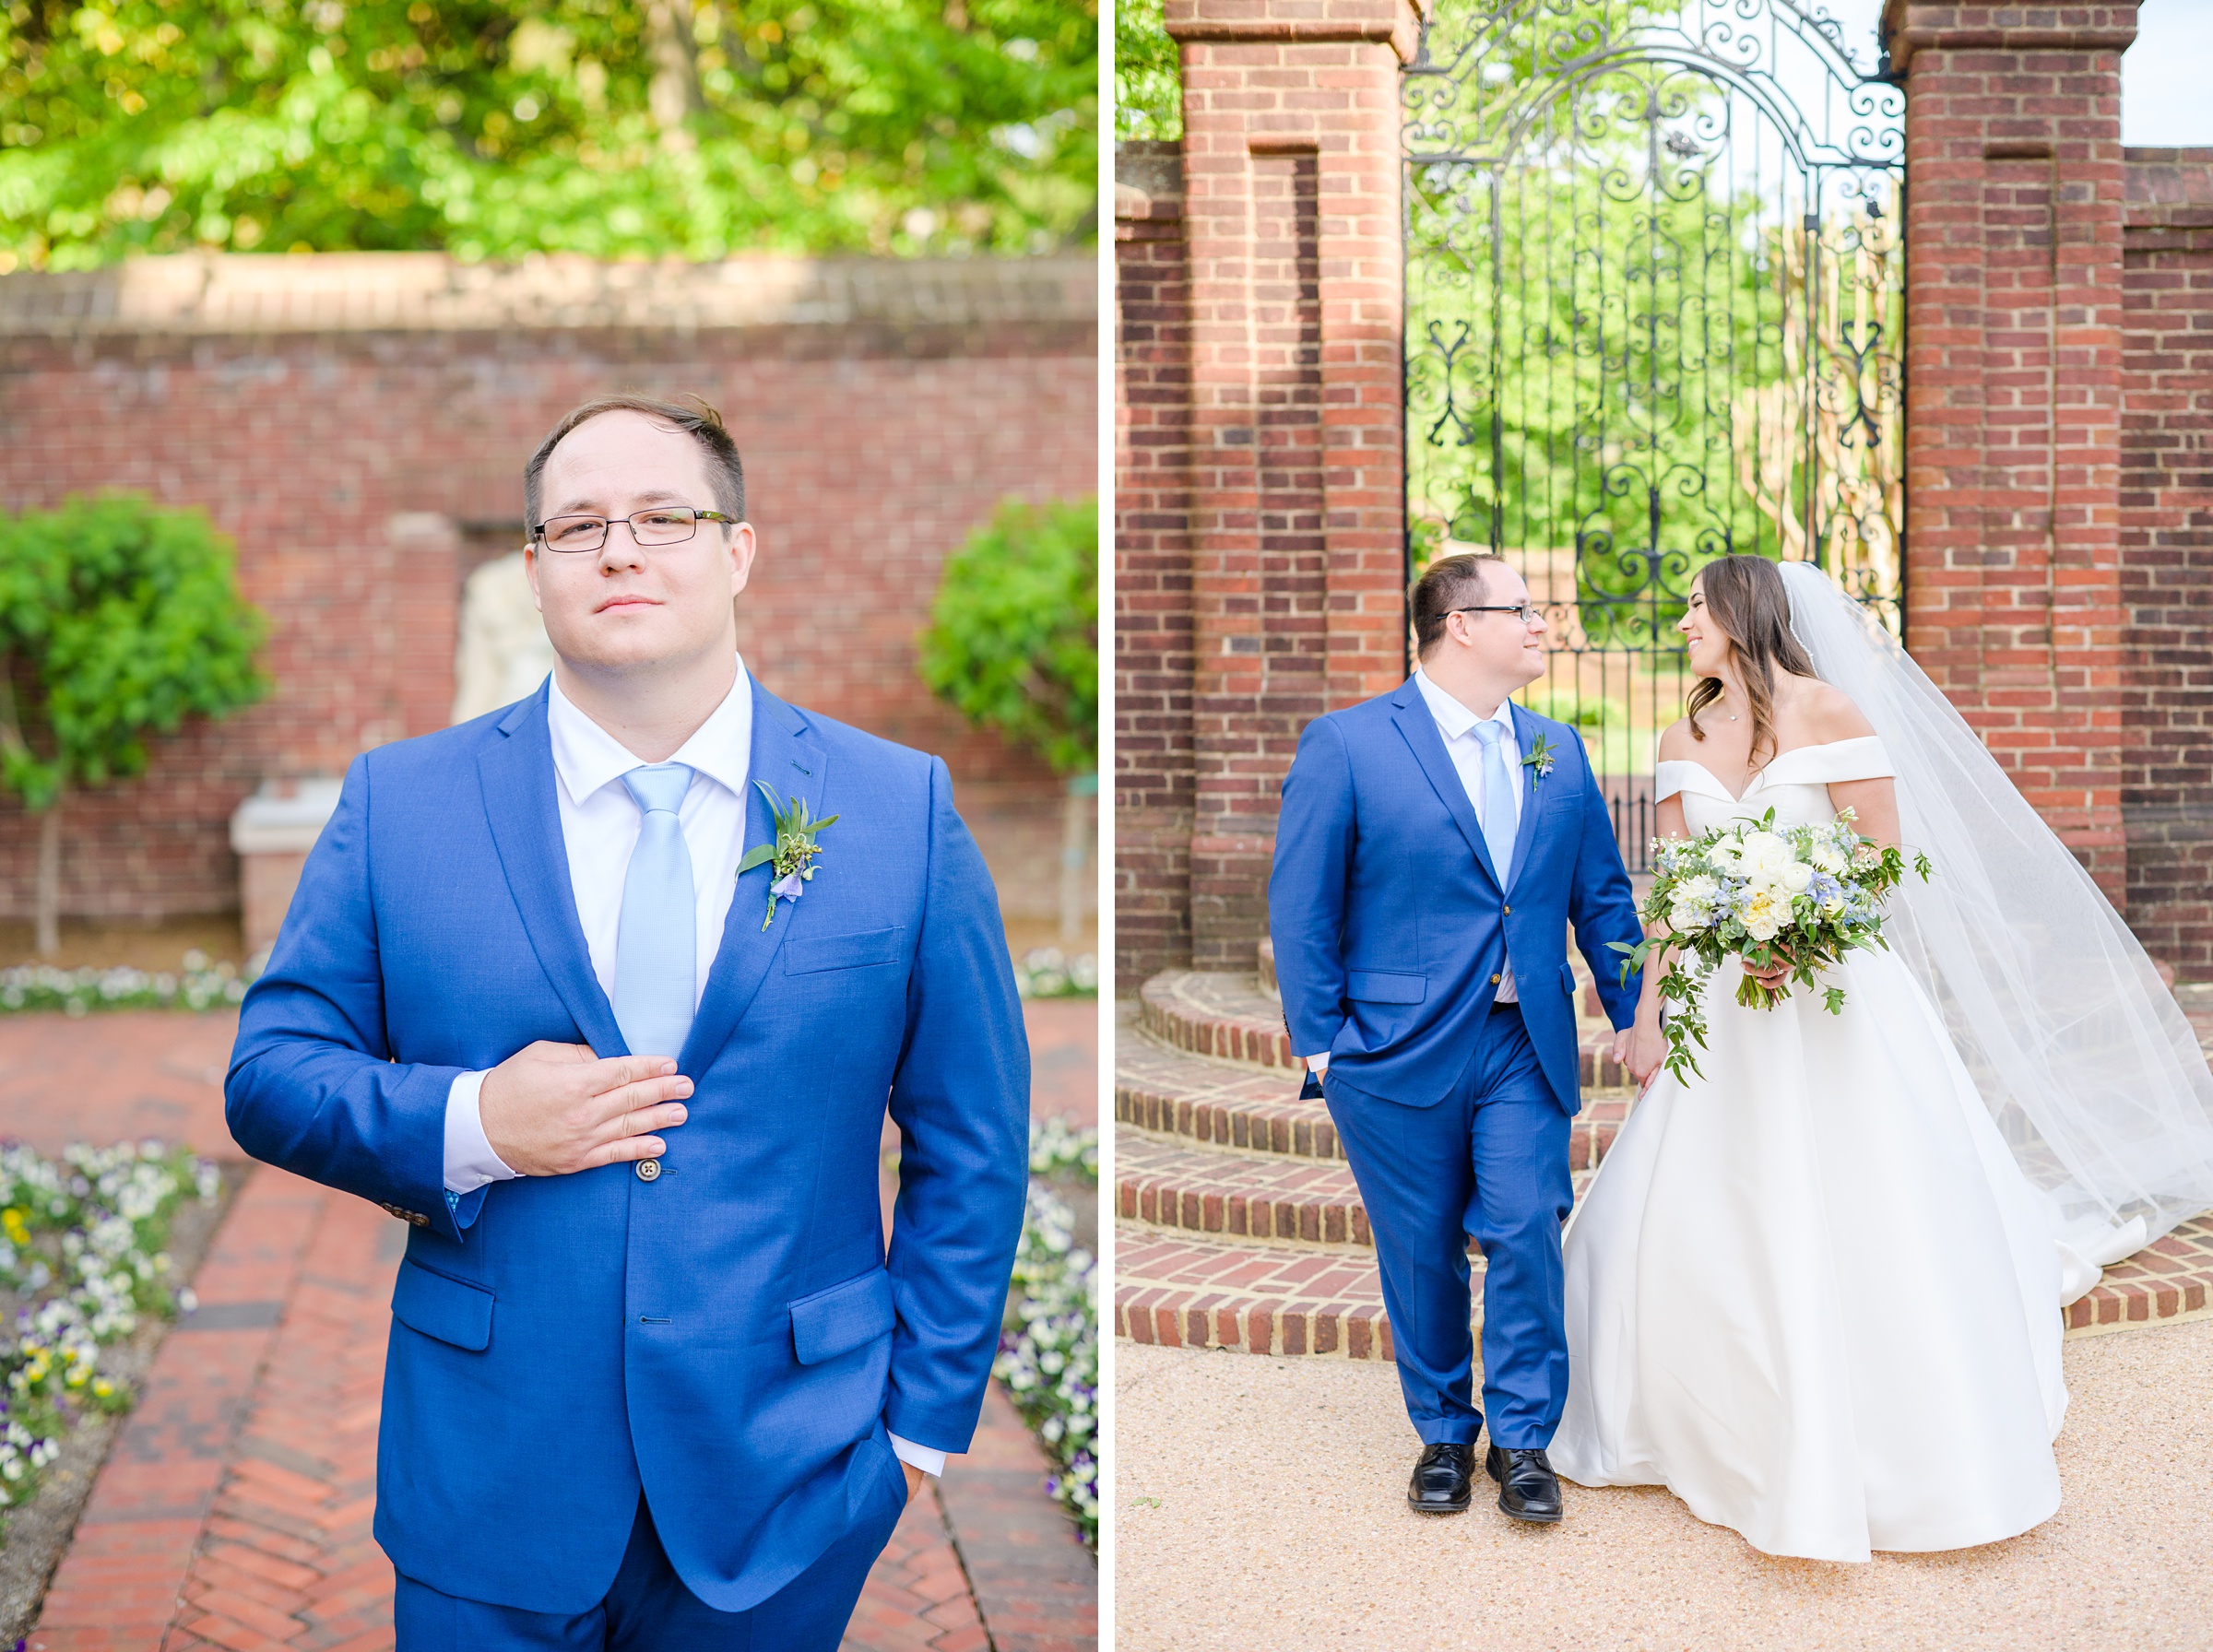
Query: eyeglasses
{"x":665,"y":525}
{"x":1525,"y":611}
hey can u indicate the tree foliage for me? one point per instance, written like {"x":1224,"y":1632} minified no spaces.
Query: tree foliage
{"x":1148,"y":74}
{"x":1013,"y":640}
{"x":497,"y":128}
{"x":118,"y":620}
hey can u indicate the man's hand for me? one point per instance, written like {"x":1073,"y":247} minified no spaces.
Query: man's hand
{"x":554,"y":1109}
{"x":914,"y":1479}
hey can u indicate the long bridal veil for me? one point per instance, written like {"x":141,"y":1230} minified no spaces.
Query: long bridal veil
{"x":2081,"y":1052}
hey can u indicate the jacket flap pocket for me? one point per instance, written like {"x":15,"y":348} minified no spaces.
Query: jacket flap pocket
{"x":842,"y":1318}
{"x":443,"y":1307}
{"x":804,"y":955}
{"x":1567,"y":978}
{"x":1373,"y":986}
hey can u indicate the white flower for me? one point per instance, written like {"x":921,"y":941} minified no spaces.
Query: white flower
{"x":1685,"y":915}
{"x":1831,"y":907}
{"x":1763,"y":914}
{"x":1696,"y":891}
{"x":1866,"y":856}
{"x":1795,"y":876}
{"x":1829,"y":859}
{"x":1763,"y":852}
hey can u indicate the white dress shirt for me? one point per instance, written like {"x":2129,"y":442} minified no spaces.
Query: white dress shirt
{"x":1457,"y":724}
{"x":599,"y":825}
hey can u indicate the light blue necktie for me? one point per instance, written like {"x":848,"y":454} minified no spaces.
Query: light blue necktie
{"x":656,"y":941}
{"x":1499,"y":820}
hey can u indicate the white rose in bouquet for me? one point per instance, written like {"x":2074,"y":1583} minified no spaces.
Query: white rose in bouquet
{"x":1830,"y":859}
{"x":1765,"y":854}
{"x":1796,"y":875}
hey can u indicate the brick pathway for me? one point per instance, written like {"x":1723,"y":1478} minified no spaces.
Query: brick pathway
{"x":234,"y":1511}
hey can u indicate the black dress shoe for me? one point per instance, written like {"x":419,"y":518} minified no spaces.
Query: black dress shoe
{"x":1441,"y":1474}
{"x":1528,"y":1489}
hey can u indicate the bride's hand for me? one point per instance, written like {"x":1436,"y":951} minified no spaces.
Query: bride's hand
{"x":1641,"y":1049}
{"x":1775,"y":975}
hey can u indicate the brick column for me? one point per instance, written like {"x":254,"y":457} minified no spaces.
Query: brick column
{"x":1291,"y":212}
{"x":1152,"y":777}
{"x":2014,"y":207}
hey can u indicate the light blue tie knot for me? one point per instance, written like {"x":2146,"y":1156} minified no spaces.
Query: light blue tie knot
{"x":657,"y":938}
{"x":1498,"y":811}
{"x":658,"y":786}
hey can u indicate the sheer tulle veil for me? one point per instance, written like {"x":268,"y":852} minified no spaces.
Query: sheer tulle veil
{"x":2078,"y":1047}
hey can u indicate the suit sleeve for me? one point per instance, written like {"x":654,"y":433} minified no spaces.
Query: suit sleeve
{"x":1314,"y":846}
{"x":312,"y":1086}
{"x":1601,"y":904}
{"x":961,"y":1098}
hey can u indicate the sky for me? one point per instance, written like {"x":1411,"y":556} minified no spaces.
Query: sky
{"x":2163,"y":76}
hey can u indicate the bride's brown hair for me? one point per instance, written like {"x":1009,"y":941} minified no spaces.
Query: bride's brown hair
{"x":1745,"y":596}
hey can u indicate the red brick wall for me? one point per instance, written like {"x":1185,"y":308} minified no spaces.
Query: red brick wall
{"x":2013,"y":385}
{"x":882,"y":412}
{"x":1291,"y":207}
{"x":1152,"y":757}
{"x":2167,"y":554}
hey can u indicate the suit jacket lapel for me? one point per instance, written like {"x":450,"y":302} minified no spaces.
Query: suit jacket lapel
{"x":791,"y":765}
{"x":1411,"y":712}
{"x":515,"y":773}
{"x":1525,"y":736}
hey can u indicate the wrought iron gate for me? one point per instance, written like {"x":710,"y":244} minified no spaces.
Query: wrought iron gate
{"x":1653,"y":309}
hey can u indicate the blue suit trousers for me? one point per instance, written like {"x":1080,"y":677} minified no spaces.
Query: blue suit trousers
{"x":1489,"y":1163}
{"x":649,"y":1610}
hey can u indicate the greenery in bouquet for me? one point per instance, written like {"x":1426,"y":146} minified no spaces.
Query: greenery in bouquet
{"x":1796,"y":899}
{"x":1048,"y":1358}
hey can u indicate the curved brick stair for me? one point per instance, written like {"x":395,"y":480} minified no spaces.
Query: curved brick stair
{"x":1238,"y":1224}
{"x":1240,"y":1227}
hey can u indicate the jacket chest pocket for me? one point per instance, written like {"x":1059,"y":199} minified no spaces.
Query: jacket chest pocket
{"x":813,"y":954}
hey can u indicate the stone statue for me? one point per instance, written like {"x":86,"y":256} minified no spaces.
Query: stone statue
{"x":503,"y":653}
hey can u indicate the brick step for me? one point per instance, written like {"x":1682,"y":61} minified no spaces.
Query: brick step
{"x":1168,"y":1094}
{"x":1227,"y":1018}
{"x":1265,"y":1197}
{"x":1184,"y":1291}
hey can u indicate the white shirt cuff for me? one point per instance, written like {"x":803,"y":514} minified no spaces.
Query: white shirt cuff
{"x":469,"y":1160}
{"x":925,"y":1457}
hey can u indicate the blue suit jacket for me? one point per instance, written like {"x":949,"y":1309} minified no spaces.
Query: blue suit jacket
{"x":732,"y":1336}
{"x":1390,"y":920}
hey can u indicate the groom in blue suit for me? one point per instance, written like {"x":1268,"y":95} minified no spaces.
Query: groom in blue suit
{"x":1433,"y":847}
{"x":605,"y":995}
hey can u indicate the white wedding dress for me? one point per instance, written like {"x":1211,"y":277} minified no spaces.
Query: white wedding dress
{"x":1812,"y":1292}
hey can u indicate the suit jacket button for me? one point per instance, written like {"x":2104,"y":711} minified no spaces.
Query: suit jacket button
{"x":1508,"y":911}
{"x":649,"y":1170}
{"x":1495,"y":979}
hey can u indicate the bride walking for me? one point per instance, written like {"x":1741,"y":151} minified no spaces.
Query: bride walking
{"x":1814,"y":1292}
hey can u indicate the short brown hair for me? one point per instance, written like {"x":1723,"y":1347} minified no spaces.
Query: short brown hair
{"x":1454,"y":582}
{"x":726,"y":473}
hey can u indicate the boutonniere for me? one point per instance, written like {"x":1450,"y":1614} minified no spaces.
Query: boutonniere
{"x":1540,"y":758}
{"x":793,"y":852}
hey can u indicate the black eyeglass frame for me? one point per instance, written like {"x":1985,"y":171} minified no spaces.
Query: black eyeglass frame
{"x":1528,"y":610}
{"x":538,"y":532}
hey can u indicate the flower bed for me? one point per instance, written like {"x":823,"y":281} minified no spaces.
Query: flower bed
{"x":1048,"y":973}
{"x":1049,"y":1355}
{"x":82,"y":1260}
{"x":198,"y":985}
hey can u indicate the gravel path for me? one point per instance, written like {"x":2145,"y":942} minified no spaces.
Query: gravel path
{"x":1280,"y":1520}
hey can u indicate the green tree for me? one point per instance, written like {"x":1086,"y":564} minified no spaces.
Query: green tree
{"x":497,"y":128}
{"x":1013,"y":646}
{"x":118,"y":620}
{"x":1148,"y":74}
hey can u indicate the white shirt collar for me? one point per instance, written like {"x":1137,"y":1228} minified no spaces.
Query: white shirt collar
{"x":586,"y":757}
{"x":1453,"y":718}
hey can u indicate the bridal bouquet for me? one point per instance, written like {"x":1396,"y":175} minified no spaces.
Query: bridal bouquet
{"x":1802,"y":898}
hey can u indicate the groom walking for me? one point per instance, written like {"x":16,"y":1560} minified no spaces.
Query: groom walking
{"x":605,"y":993}
{"x":1435,"y":845}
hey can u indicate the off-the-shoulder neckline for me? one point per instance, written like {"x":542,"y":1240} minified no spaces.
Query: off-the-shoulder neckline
{"x":1760,"y":773}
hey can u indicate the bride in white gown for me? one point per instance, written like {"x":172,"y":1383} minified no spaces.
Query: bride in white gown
{"x":1815,"y":1291}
